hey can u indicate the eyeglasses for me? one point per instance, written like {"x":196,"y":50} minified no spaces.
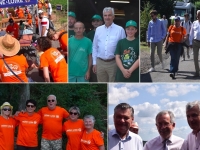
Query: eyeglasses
{"x":30,"y":106}
{"x":6,"y":109}
{"x":71,"y":113}
{"x":51,"y":100}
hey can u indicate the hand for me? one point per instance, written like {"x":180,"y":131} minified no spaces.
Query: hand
{"x":87,"y":75}
{"x":126,"y":73}
{"x":94,"y":69}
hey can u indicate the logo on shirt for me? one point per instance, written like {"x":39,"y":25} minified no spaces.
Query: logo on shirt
{"x":29,"y":122}
{"x":85,"y":141}
{"x":57,"y":56}
{"x":15,"y":68}
{"x":7,"y":126}
{"x":82,"y":49}
{"x":128,"y":57}
{"x":51,"y":116}
{"x":74,"y":130}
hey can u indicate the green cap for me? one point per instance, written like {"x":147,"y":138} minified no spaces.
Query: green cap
{"x":72,"y":14}
{"x":131,"y":23}
{"x":97,"y":17}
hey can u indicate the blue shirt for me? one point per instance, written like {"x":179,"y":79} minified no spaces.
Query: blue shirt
{"x":156,"y":31}
{"x":131,"y":142}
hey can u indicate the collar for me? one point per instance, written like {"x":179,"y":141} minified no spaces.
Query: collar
{"x":198,"y":133}
{"x":169,"y":140}
{"x":128,"y":137}
{"x":109,"y":26}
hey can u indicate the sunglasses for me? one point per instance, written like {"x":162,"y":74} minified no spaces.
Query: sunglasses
{"x":71,"y":113}
{"x":51,"y":100}
{"x":32,"y":106}
{"x":6,"y":109}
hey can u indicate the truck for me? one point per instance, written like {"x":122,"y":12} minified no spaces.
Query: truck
{"x":182,"y":7}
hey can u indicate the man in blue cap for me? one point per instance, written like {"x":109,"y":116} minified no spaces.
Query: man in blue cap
{"x":71,"y":22}
{"x":96,"y":22}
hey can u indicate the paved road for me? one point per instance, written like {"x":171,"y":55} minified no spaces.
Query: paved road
{"x":185,"y":73}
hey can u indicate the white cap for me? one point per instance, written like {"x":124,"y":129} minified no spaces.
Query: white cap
{"x":40,"y":11}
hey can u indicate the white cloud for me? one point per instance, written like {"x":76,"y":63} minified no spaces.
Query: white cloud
{"x":121,"y":93}
{"x":180,"y":89}
{"x":153,"y":90}
{"x":164,"y":100}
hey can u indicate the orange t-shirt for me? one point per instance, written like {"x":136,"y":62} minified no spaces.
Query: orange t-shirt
{"x":91,"y":141}
{"x":56,"y":63}
{"x":18,"y":64}
{"x":40,"y":5}
{"x":20,"y":13}
{"x":176,"y":34}
{"x":74,"y":132}
{"x":63,"y":41}
{"x":52,"y":122}
{"x":13,"y":28}
{"x":28,"y":128}
{"x":7,"y":130}
{"x":29,"y":19}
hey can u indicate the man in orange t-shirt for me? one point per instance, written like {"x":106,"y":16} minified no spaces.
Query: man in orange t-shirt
{"x":7,"y":127}
{"x":28,"y":127}
{"x":13,"y":28}
{"x":20,"y":12}
{"x":52,"y":118}
{"x":91,"y":139}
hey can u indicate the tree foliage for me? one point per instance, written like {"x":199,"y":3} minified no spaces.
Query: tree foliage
{"x":90,"y":98}
{"x":197,"y":4}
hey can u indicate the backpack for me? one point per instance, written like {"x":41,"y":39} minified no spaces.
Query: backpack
{"x":51,"y":25}
{"x":183,"y":22}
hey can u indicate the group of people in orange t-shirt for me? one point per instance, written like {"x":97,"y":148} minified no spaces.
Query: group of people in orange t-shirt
{"x":80,"y":133}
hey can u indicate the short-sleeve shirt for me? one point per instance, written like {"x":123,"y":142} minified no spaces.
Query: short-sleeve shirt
{"x":74,"y":132}
{"x":20,"y":13}
{"x":91,"y":141}
{"x":79,"y":50}
{"x":44,"y":22}
{"x":56,"y":63}
{"x":52,"y":122}
{"x":7,"y":130}
{"x":18,"y":64}
{"x":176,"y":34}
{"x":28,"y":128}
{"x":129,"y":54}
{"x":63,"y":40}
{"x":13,"y":28}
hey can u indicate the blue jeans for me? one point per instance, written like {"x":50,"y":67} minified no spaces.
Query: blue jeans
{"x":77,"y":79}
{"x":175,"y":52}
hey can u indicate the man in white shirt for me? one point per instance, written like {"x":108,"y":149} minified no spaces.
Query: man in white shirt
{"x":187,"y":25}
{"x":49,"y":9}
{"x":121,"y":138}
{"x":165,"y":124}
{"x":104,"y":45}
{"x":43,"y":24}
{"x":193,"y":118}
{"x":195,"y":42}
{"x":165,"y":22}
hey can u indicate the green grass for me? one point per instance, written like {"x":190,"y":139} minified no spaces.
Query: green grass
{"x":62,"y":2}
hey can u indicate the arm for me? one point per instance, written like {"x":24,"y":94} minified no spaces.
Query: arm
{"x":46,"y":74}
{"x":134,"y":66}
{"x":123,"y":70}
{"x":87,"y":75}
{"x":148,"y":34}
{"x":101,"y":147}
{"x":95,"y":47}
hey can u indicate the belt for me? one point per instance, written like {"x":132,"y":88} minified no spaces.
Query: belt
{"x":197,"y":40}
{"x":107,"y":60}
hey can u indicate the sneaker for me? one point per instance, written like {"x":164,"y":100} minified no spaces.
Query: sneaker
{"x":183,"y":59}
{"x":196,"y":75}
{"x":151,"y":69}
{"x":163,"y":65}
{"x":172,"y":76}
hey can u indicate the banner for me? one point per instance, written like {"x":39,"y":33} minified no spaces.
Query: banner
{"x":15,"y":3}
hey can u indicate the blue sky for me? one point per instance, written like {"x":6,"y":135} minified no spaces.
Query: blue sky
{"x":149,"y":99}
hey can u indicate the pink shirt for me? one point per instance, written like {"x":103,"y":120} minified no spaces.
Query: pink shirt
{"x":192,"y":142}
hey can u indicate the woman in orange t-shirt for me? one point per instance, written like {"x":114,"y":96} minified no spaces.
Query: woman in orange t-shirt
{"x":176,"y":36}
{"x":28,"y":127}
{"x":91,"y":139}
{"x":51,"y":60}
{"x":74,"y":129}
{"x":7,"y":127}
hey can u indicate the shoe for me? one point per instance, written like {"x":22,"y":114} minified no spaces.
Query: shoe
{"x":188,"y":56}
{"x":183,"y":59}
{"x":151,"y":69}
{"x":172,"y":76}
{"x":196,"y":75}
{"x":163,"y":65}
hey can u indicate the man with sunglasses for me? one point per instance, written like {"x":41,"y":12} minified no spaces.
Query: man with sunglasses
{"x":52,"y":118}
{"x":165,"y":123}
{"x":155,"y":35}
{"x":27,"y":138}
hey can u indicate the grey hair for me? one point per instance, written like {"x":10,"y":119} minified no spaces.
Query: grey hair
{"x":75,"y":108}
{"x":198,"y":11}
{"x":90,"y":117}
{"x":124,"y":106}
{"x":164,"y":112}
{"x":51,"y":95}
{"x":109,"y":9}
{"x":194,"y":103}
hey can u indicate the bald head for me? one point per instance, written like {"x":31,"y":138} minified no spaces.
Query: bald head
{"x":79,"y":29}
